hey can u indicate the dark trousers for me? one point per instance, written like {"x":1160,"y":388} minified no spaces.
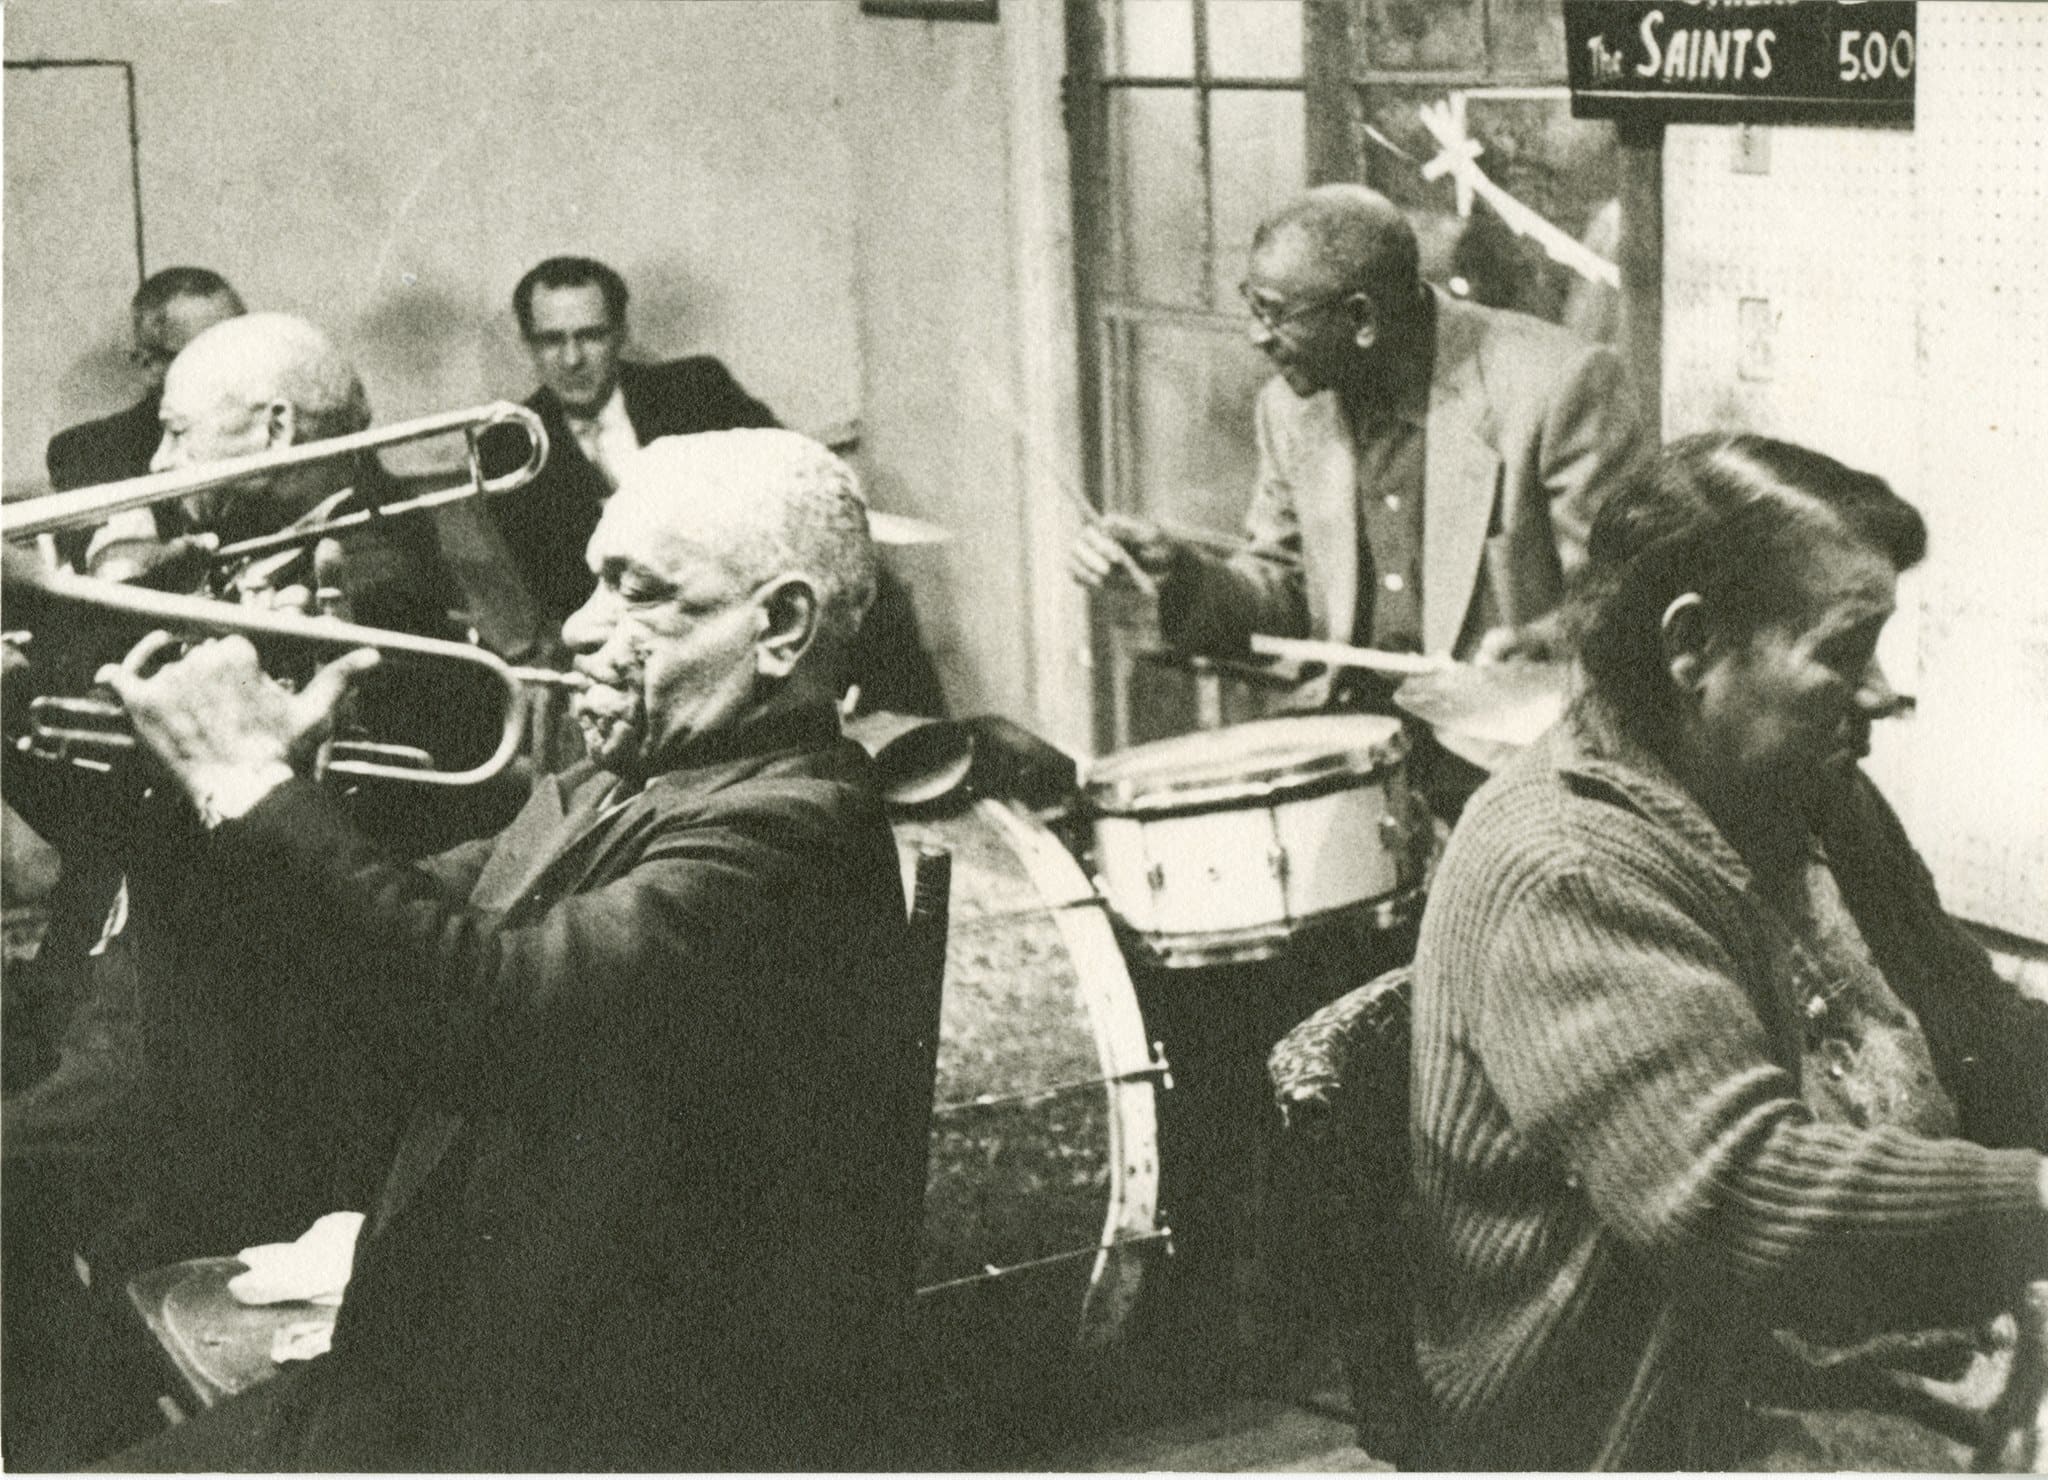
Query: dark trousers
{"x":246,"y":1434}
{"x":76,"y":1379}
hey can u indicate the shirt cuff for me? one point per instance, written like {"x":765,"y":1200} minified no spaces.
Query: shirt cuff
{"x":237,"y":795}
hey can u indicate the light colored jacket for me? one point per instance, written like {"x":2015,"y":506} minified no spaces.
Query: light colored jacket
{"x":1527,"y":431}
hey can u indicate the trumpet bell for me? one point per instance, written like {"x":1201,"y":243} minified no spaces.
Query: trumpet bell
{"x":418,"y":676}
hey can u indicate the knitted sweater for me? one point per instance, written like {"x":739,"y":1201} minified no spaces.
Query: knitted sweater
{"x":1619,"y":1188}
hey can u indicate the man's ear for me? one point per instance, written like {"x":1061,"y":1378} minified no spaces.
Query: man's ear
{"x":280,"y":424}
{"x":1685,"y":636}
{"x":1365,"y":319}
{"x":790,"y":611}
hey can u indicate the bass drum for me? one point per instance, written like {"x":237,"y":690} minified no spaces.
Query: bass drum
{"x":1042,"y":1203}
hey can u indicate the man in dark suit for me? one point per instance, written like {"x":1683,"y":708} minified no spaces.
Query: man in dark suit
{"x":641,"y":1218}
{"x":169,"y":310}
{"x":597,"y":408}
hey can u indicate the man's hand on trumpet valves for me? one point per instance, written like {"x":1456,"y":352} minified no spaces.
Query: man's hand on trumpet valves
{"x":1113,"y":542}
{"x":218,"y":723}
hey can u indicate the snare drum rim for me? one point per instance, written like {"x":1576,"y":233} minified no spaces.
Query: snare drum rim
{"x":1312,"y":775}
{"x":1267,"y":941}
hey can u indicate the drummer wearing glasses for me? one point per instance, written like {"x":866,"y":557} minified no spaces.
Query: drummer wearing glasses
{"x":1427,"y":467}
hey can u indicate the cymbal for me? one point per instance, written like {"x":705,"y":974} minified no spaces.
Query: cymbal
{"x":1486,"y":713}
{"x":901,"y":529}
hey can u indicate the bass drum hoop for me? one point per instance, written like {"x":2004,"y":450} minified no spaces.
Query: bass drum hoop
{"x":1129,"y":1071}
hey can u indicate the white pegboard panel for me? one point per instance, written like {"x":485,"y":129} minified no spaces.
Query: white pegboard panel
{"x":1984,"y":235}
{"x":1980,"y":800}
{"x":1981,"y":803}
{"x":1791,"y":243}
{"x":1879,"y":293}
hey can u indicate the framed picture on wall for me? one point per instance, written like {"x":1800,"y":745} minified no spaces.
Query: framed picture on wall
{"x":932,"y":10}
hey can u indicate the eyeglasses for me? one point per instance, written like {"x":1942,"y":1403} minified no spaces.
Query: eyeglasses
{"x":588,"y":340}
{"x":1276,"y":318}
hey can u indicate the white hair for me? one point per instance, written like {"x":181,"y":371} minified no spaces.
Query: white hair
{"x":264,"y":357}
{"x":775,"y":502}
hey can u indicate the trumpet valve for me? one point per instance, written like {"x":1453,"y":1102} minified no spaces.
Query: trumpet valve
{"x":552,"y":678}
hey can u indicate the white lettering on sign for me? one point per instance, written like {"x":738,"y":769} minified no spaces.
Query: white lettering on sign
{"x":1867,"y":57}
{"x":1694,"y":54}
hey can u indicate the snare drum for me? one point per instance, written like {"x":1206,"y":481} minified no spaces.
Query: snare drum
{"x":1042,"y":1202}
{"x":1220,"y":846}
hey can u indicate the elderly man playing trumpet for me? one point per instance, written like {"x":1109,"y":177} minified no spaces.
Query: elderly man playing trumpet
{"x":638,"y":1217}
{"x":1698,"y":1057}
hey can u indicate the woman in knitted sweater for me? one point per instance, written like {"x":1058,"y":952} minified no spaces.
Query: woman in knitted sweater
{"x":1698,"y":1055}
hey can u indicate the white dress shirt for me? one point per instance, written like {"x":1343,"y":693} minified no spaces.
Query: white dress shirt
{"x":607,"y":439}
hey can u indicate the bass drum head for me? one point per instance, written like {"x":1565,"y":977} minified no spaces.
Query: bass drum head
{"x":1041,"y":1202}
{"x":1222,"y":767}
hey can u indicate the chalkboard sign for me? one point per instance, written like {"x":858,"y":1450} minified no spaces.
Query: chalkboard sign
{"x":1725,"y":61}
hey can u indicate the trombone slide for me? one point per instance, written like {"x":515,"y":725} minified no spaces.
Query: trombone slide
{"x":81,"y":507}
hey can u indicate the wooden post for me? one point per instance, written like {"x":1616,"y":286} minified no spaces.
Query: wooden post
{"x":1642,"y":264}
{"x":1326,"y":79}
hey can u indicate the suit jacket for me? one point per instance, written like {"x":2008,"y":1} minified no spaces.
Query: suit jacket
{"x":192,"y":1122}
{"x":547,"y":524}
{"x":1526,"y":432}
{"x":102,"y":451}
{"x":637,"y":1220}
{"x":106,"y":450}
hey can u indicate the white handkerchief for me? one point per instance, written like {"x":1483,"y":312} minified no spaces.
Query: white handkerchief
{"x":315,"y":1266}
{"x":302,"y":1341}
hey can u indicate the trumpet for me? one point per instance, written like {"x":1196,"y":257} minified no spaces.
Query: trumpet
{"x":83,"y":507}
{"x":95,"y":733}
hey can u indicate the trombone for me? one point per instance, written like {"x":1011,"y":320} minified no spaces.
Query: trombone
{"x":83,"y":507}
{"x":94,"y":733}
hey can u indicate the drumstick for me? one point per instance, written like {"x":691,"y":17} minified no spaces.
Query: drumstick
{"x":1344,"y":655}
{"x":1228,"y":545}
{"x":1092,"y":516}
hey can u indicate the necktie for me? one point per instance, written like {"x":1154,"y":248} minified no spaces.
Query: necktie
{"x":589,"y":435}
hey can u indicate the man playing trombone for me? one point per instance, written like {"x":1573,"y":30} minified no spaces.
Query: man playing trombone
{"x":639,"y":1218}
{"x":261,"y":383}
{"x":169,"y":310}
{"x":134,"y":1146}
